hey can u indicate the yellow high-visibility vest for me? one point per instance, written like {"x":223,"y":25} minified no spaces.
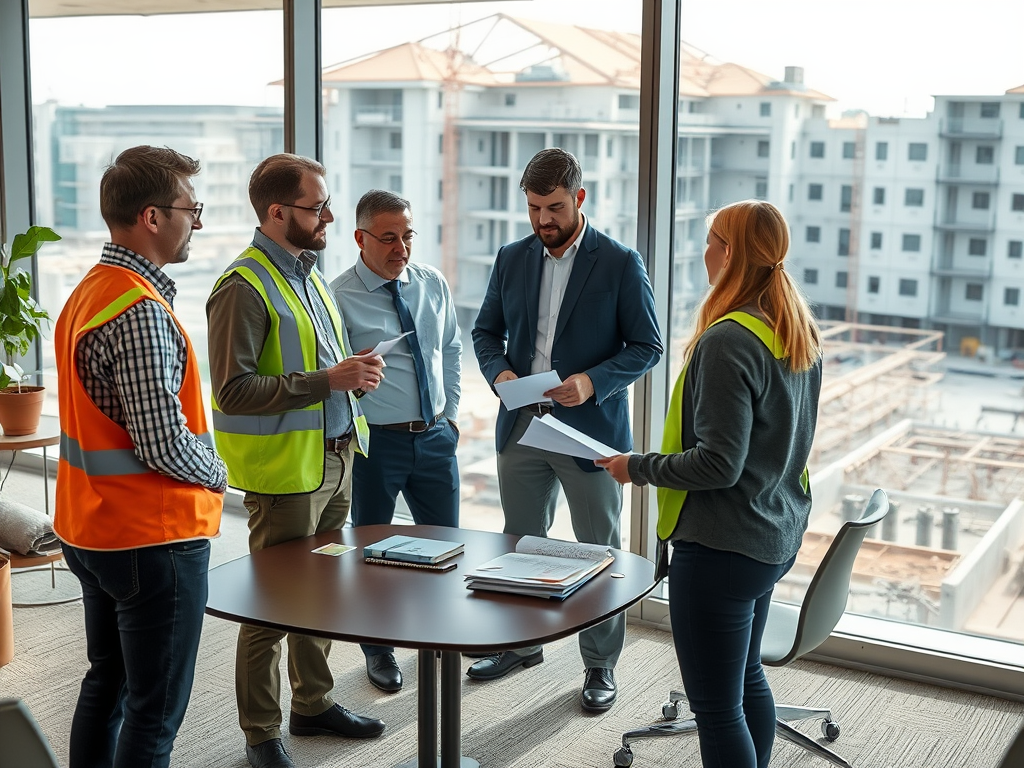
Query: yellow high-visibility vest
{"x":281,"y":453}
{"x":670,"y":501}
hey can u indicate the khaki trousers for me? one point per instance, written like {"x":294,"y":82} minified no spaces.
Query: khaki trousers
{"x":274,"y":520}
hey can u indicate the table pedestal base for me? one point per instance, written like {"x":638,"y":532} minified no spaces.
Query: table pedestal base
{"x":464,"y":762}
{"x":451,"y":713}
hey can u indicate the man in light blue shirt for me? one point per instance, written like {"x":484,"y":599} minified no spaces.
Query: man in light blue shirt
{"x":412,"y":415}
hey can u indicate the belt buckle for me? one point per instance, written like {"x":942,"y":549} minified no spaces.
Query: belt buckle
{"x":427,"y":426}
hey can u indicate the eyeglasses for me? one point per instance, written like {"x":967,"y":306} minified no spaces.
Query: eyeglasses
{"x":389,"y":239}
{"x":196,"y":212}
{"x":317,"y":209}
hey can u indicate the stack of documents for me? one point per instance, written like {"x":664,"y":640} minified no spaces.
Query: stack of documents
{"x":541,"y":568}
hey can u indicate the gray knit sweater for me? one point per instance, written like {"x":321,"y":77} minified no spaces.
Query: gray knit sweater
{"x":748,"y":423}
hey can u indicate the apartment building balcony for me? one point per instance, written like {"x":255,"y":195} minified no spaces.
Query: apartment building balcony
{"x":960,"y":173}
{"x":377,"y":114}
{"x":730,"y":164}
{"x":944,"y":315}
{"x":687,"y":209}
{"x":691,"y":170}
{"x":480,"y":258}
{"x":377,"y":158}
{"x":953,"y":221}
{"x":976,"y":274}
{"x":489,"y":170}
{"x":970,"y":128}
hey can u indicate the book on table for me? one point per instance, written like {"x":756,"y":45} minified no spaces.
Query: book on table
{"x":542,"y":567}
{"x":412,"y":549}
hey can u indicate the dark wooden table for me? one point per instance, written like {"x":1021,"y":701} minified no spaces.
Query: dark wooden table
{"x":289,"y":588}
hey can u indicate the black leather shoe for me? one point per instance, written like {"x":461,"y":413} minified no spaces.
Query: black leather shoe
{"x":500,"y":665}
{"x":268,"y":754}
{"x":598,"y":690}
{"x":477,"y":654}
{"x":336,"y":721}
{"x":382,"y":670}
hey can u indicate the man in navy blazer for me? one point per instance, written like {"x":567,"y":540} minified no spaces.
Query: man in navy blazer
{"x":570,"y":299}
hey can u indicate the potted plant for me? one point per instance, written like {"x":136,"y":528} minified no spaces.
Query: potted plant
{"x":21,"y":323}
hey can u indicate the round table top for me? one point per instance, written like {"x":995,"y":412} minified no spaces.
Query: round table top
{"x":46,"y":435}
{"x":288,"y":587}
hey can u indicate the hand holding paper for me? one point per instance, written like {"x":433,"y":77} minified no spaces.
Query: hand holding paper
{"x":528,"y":390}
{"x":387,"y":345}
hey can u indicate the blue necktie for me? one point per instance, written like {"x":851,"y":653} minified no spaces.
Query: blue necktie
{"x":405,"y":318}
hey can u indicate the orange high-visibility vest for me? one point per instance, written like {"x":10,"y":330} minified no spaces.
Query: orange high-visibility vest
{"x":106,"y":497}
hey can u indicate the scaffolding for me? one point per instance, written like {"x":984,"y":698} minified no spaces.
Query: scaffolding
{"x":874,"y":375}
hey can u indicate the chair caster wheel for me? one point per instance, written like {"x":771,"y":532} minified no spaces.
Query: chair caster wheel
{"x":670,"y":710}
{"x":623,"y":757}
{"x":830,"y":729}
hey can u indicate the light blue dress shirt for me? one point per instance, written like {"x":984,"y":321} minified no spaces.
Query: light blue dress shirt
{"x":370,"y":317}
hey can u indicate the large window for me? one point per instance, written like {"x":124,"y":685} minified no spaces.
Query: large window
{"x":453,"y":134}
{"x":459,"y":131}
{"x":94,"y":94}
{"x":958,"y":198}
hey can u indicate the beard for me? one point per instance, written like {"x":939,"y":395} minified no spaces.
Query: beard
{"x":556,"y":238}
{"x":181,"y":254}
{"x":308,"y":239}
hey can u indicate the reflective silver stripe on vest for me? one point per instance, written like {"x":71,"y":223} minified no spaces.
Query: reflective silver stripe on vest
{"x":271,"y":424}
{"x":288,"y":336}
{"x":121,"y":461}
{"x":118,"y":461}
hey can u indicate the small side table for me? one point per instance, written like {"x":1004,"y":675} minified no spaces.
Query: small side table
{"x":46,"y":436}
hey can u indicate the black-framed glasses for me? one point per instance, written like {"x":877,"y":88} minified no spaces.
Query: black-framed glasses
{"x":390,"y":238}
{"x":196,"y":212}
{"x":317,"y":209}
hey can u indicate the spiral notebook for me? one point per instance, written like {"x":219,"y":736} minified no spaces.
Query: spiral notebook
{"x":422,"y":566}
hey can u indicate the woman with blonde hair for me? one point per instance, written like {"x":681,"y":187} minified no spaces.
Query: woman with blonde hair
{"x":733,"y":496}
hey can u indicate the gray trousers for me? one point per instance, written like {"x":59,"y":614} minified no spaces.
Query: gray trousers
{"x":273,"y":520}
{"x":528,"y":479}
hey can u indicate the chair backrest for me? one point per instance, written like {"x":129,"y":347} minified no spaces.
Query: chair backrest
{"x":826,"y":597}
{"x":1014,"y":756}
{"x":23,"y":744}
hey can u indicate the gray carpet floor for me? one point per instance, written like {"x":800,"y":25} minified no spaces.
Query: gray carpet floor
{"x":530,"y":718}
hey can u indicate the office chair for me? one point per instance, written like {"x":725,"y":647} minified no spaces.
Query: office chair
{"x":790,"y":632}
{"x":1014,"y":755}
{"x":23,"y":744}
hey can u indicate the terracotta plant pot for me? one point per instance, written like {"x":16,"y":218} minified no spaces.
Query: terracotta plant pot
{"x":20,"y":411}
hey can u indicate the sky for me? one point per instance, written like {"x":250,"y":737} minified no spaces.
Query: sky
{"x":885,"y":56}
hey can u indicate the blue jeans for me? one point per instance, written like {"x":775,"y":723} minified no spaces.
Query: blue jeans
{"x":718,"y":604}
{"x":143,"y":617}
{"x":422,"y":467}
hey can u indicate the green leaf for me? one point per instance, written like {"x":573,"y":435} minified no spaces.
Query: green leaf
{"x":29,"y":243}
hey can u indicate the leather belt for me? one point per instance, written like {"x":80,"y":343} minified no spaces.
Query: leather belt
{"x":538,"y":409}
{"x":413,"y":426}
{"x":337,"y":444}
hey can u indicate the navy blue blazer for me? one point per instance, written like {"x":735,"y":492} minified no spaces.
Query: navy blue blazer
{"x":606,"y":328}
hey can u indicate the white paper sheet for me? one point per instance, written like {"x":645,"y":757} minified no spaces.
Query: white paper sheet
{"x":549,"y":434}
{"x":527,"y":390}
{"x":387,"y":345}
